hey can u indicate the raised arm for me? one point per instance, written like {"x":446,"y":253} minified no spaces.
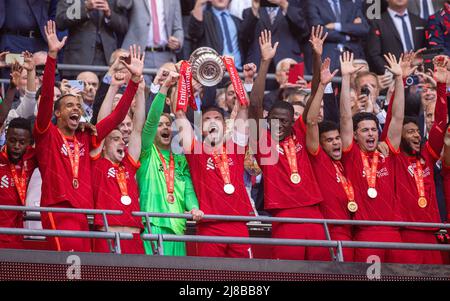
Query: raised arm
{"x":136,"y":66}
{"x":317,"y":39}
{"x":117,"y":80}
{"x":346,"y":124}
{"x":45,"y":109}
{"x":5,"y":106}
{"x":447,"y":148}
{"x":255,"y":110}
{"x":312,"y":114}
{"x":395,"y":127}
{"x":134,"y":145}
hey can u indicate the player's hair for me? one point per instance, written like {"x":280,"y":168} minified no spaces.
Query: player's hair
{"x":328,"y":126}
{"x":57,"y":104}
{"x":279,"y":104}
{"x":358,"y":117}
{"x":410,"y":119}
{"x":364,"y":74}
{"x":214,"y":108}
{"x":20,"y":123}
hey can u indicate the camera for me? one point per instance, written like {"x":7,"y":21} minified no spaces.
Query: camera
{"x":412,"y":80}
{"x":365,"y":91}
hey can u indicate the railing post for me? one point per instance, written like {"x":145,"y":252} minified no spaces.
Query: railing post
{"x":340,"y":252}
{"x":327,"y":235}
{"x":117,"y":239}
{"x":149,"y":229}
{"x":105,"y":222}
{"x":160,"y":245}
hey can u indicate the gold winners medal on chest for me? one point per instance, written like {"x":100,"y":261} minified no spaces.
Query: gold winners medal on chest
{"x":295,"y":178}
{"x":372,"y":193}
{"x":170,"y":198}
{"x":126,"y":200}
{"x":422,"y":202}
{"x":352,"y":206}
{"x":228,"y":188}
{"x":75,"y":183}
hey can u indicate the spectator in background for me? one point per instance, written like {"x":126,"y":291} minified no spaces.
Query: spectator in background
{"x":287,"y":23}
{"x":238,"y":7}
{"x":346,"y":26}
{"x":22,"y":25}
{"x":186,"y":7}
{"x":213,"y":26}
{"x":438,"y":29}
{"x":93,"y":36}
{"x":157,"y":27}
{"x":396,"y":32}
{"x":425,"y":8}
{"x":90,"y":81}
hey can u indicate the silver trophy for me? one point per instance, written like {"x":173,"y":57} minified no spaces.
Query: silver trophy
{"x":207,"y":66}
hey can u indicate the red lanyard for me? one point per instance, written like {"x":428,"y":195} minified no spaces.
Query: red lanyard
{"x":370,"y":170}
{"x":73,"y":157}
{"x":122,"y":180}
{"x":222,"y":163}
{"x":418,"y":178}
{"x":291,"y":156}
{"x":169,"y":174}
{"x":20,"y":182}
{"x":347,"y":186}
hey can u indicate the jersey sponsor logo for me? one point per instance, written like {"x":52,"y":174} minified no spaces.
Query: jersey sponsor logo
{"x":111,"y":173}
{"x":384,"y":172}
{"x":2,"y":165}
{"x":280,"y":150}
{"x":210,"y":165}
{"x":64,"y":150}
{"x":426,"y":171}
{"x":4,"y":182}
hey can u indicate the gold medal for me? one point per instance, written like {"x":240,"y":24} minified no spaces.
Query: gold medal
{"x":125,"y":199}
{"x":170,"y":198}
{"x":75,"y":183}
{"x":422,"y":202}
{"x":295,"y":178}
{"x":352,"y":206}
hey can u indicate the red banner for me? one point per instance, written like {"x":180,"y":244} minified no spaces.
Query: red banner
{"x":236,"y":81}
{"x":185,"y":96}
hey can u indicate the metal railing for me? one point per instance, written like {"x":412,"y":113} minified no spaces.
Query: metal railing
{"x":116,"y":236}
{"x":329,"y":243}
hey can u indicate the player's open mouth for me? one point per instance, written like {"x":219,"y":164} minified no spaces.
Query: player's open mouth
{"x":336,"y":150}
{"x":213,"y":128}
{"x":165,"y":135}
{"x":415,"y":143}
{"x":74,"y":117}
{"x":371,"y":142}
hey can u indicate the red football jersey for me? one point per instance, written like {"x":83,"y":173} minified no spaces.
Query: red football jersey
{"x":334,"y":205}
{"x":446,"y":175}
{"x":107,"y":193}
{"x":279,"y":191}
{"x":8,"y":190}
{"x":385,"y":206}
{"x":209,"y":184}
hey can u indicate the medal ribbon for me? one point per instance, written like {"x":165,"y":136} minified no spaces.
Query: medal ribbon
{"x":346,"y":184}
{"x":418,"y":177}
{"x":169,"y":174}
{"x":289,"y":150}
{"x":222,"y":163}
{"x":235,"y":80}
{"x":73,"y":157}
{"x":122,"y":180}
{"x":20,"y":182}
{"x":370,"y":170}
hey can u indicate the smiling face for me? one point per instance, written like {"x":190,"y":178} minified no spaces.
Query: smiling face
{"x":114,"y":148}
{"x":286,"y":121}
{"x":17,"y":141}
{"x":366,"y":135}
{"x":213,"y":127}
{"x":90,"y":85}
{"x":411,"y":137}
{"x":69,"y":113}
{"x":332,"y":144}
{"x":126,"y":127}
{"x":163,"y":136}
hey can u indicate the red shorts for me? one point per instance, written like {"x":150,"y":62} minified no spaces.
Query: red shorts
{"x":299,"y":231}
{"x":343,"y":232}
{"x":378,"y":234}
{"x":66,"y":221}
{"x":127,"y":246}
{"x":420,"y":256}
{"x":238,"y":229}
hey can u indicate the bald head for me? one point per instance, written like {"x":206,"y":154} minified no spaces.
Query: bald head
{"x":91,"y":83}
{"x":282,"y":70}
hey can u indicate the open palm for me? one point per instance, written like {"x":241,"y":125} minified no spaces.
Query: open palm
{"x":325,"y":74}
{"x":136,"y":65}
{"x":317,"y":39}
{"x":440,"y":64}
{"x":265,"y":43}
{"x":347,"y":67}
{"x":54,"y":44}
{"x":394,"y":66}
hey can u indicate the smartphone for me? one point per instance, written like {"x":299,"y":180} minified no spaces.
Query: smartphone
{"x":11,"y":58}
{"x":365,"y":91}
{"x":295,"y":71}
{"x":76,"y":84}
{"x":266,"y":3}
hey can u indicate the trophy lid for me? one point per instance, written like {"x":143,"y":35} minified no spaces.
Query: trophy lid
{"x":207,"y":66}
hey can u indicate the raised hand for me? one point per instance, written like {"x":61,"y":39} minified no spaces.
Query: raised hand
{"x":16,"y":72}
{"x":171,"y":79}
{"x":136,"y":62}
{"x":447,"y":136}
{"x":118,"y":79}
{"x":407,"y":62}
{"x":325,"y":75}
{"x":347,"y":67}
{"x":161,"y":76}
{"x":317,"y":39}
{"x":249,"y":72}
{"x":28,"y":63}
{"x":2,"y":59}
{"x":440,"y":66}
{"x":394,"y":66}
{"x":54,"y":44}
{"x":265,"y":43}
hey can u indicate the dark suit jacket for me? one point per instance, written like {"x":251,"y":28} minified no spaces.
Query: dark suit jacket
{"x":321,"y":13}
{"x":384,"y":38}
{"x":437,"y":27}
{"x":81,"y":43}
{"x":208,"y":32}
{"x":289,"y":30}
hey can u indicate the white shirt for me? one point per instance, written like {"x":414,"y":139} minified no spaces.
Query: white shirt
{"x":398,"y":25}
{"x":430,"y":8}
{"x":237,"y":7}
{"x":161,"y":23}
